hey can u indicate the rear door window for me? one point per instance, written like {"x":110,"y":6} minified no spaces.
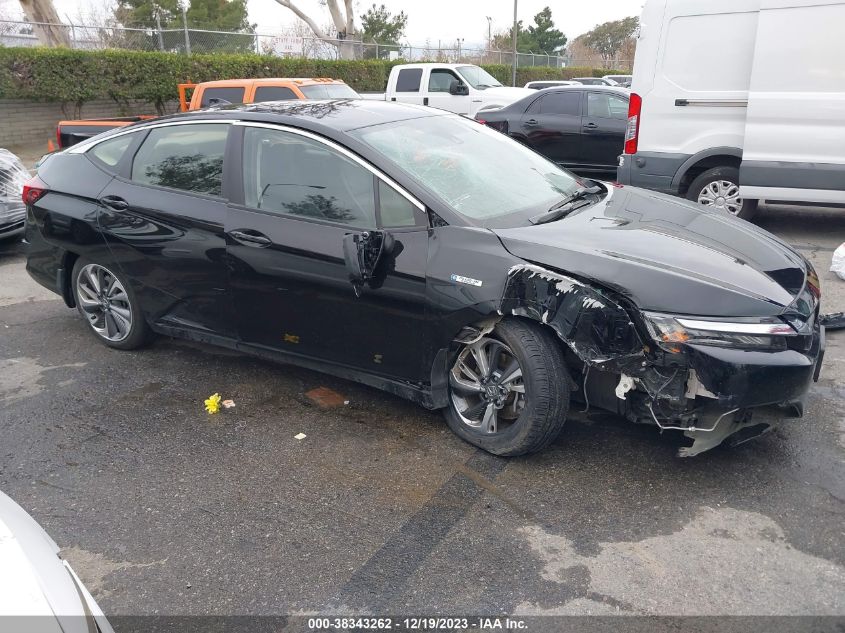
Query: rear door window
{"x":273,"y":93}
{"x":184,"y":157}
{"x":562,"y":103}
{"x":409,"y":80}
{"x":221,"y":95}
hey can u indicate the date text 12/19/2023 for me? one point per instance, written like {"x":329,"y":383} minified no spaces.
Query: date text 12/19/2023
{"x":371,"y":623}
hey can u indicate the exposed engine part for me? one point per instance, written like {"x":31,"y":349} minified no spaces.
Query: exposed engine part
{"x":626,"y":384}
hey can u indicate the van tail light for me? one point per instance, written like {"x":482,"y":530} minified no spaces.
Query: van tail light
{"x":58,"y":137}
{"x":632,"y":131}
{"x":33,"y":190}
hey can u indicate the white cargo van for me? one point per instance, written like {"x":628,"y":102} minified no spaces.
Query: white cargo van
{"x":460,"y":88}
{"x":737,"y":101}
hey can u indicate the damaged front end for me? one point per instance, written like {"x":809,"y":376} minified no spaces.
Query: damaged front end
{"x":711,"y":379}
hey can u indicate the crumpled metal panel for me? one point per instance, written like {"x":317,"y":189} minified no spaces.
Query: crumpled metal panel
{"x":594,"y":326}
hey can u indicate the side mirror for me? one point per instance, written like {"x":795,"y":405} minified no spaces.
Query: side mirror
{"x":458,"y":88}
{"x":351,"y":256}
{"x":362,"y":253}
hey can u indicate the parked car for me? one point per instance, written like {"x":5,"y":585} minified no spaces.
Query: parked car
{"x":427,"y":255}
{"x":720,"y":129}
{"x":622,"y":80}
{"x":579,"y":127}
{"x":210,"y":93}
{"x":39,"y":591}
{"x":539,"y":85}
{"x":460,"y":88}
{"x":12,"y":211}
{"x":595,"y":81}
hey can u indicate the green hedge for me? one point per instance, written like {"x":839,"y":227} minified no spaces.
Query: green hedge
{"x":73,"y":76}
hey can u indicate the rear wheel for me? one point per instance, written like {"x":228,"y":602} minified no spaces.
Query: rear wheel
{"x":718,"y":188}
{"x":109,"y":305}
{"x":509,"y":391}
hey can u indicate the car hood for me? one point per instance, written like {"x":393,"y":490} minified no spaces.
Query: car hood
{"x":668,"y":255}
{"x":33,"y":579}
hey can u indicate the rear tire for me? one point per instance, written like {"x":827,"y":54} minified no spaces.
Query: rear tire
{"x":109,"y":305}
{"x":504,"y":415}
{"x":718,"y":188}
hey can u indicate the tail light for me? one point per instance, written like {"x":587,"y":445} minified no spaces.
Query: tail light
{"x":58,"y":137}
{"x":33,"y":190}
{"x":482,"y":121}
{"x":632,"y":131}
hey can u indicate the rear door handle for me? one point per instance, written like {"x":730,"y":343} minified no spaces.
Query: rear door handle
{"x":114,"y":202}
{"x":251,"y":238}
{"x":591,"y":126}
{"x":532,"y":122}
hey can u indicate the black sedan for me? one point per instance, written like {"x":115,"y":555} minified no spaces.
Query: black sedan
{"x":419,"y":252}
{"x":581,"y":128}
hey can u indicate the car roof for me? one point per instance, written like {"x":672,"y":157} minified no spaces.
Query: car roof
{"x":330,"y":114}
{"x":592,"y":88}
{"x":273,"y":81}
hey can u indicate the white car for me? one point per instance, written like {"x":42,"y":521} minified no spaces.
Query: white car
{"x":550,"y":83}
{"x":715,"y":121}
{"x":460,"y":88}
{"x":36,"y":581}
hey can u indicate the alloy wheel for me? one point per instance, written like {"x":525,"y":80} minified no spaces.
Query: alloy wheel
{"x":721,"y":194}
{"x":487,"y":386}
{"x":105,"y":302}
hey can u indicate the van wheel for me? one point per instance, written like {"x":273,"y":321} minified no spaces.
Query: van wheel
{"x":718,"y":188}
{"x":509,"y":391}
{"x":109,"y":305}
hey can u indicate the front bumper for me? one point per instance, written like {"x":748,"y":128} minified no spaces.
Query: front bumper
{"x":744,"y":379}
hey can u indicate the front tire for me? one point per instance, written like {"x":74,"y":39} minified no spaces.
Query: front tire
{"x":718,"y":188}
{"x":509,"y":391}
{"x":109,"y":305}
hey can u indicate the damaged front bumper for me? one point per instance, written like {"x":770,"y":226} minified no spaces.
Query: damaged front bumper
{"x":712,"y":393}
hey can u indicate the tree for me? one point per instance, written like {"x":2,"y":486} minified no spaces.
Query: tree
{"x":229,"y":16}
{"x":45,"y":21}
{"x":380,"y":26}
{"x":608,"y":38}
{"x":344,"y":22}
{"x":544,"y":36}
{"x":541,"y":37}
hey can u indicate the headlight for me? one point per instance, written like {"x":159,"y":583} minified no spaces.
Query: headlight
{"x":672,"y":332}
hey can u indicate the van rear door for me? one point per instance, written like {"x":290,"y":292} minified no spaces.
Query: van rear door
{"x":795,"y":131}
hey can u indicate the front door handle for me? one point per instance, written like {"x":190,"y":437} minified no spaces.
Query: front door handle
{"x":591,"y":126}
{"x":251,"y":238}
{"x":114,"y":202}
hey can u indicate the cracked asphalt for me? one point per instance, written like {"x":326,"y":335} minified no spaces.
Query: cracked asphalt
{"x":163,"y":509}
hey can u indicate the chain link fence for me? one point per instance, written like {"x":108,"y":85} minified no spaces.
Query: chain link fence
{"x":282,"y":44}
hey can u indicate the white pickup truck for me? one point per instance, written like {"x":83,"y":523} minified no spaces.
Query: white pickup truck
{"x":460,"y":88}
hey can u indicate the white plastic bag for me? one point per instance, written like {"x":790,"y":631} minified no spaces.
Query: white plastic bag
{"x":837,"y":265}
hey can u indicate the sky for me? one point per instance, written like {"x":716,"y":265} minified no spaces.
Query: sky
{"x":445,"y":20}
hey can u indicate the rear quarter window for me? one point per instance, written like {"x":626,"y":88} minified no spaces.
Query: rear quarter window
{"x":232,"y":95}
{"x":109,"y":153}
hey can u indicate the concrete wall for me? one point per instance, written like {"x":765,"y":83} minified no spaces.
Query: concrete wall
{"x":26,"y":123}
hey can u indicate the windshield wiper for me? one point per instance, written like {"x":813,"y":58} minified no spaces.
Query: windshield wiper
{"x":567,"y":205}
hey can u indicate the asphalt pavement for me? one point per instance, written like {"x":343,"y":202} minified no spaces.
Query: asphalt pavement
{"x":164,"y":509}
